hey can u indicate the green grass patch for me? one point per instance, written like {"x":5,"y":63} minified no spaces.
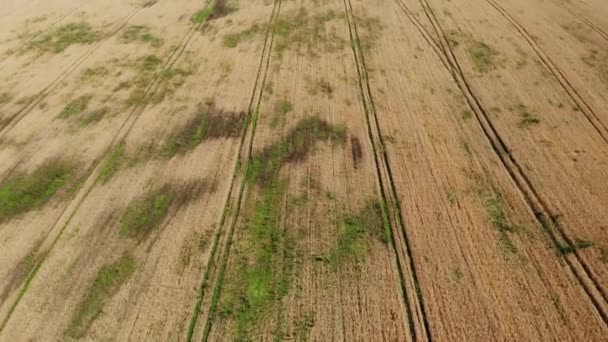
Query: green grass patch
{"x":76,"y":106}
{"x":356,"y":231}
{"x":63,"y":37}
{"x":146,"y":213}
{"x":24,"y":192}
{"x":495,"y":209}
{"x":140,"y":33}
{"x":484,"y":57}
{"x":263,"y":275}
{"x":108,"y":281}
{"x":527,"y":117}
{"x":201,"y":15}
{"x":113,"y":163}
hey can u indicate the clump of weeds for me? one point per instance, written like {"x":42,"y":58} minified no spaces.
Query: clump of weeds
{"x":24,"y":192}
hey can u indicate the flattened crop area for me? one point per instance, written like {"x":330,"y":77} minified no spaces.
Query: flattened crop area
{"x":394,"y":170}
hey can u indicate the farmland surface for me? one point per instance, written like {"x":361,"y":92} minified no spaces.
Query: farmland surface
{"x":327,"y":170}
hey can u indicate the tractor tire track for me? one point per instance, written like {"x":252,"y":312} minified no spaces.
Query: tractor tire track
{"x":30,"y":39}
{"x":589,"y":113}
{"x":584,"y":20}
{"x":90,"y":176}
{"x":545,"y":217}
{"x":412,"y":294}
{"x":15,"y":118}
{"x":213,"y":276}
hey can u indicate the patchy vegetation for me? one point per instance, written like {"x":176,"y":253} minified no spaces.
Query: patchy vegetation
{"x":296,"y":146}
{"x":146,"y":69}
{"x":208,"y":123}
{"x":91,"y":74}
{"x":76,"y":106}
{"x":355,"y":232}
{"x":494,"y":207}
{"x":112,"y":164}
{"x":233,"y":39}
{"x":599,"y":63}
{"x":146,"y":213}
{"x":4,"y":98}
{"x":140,"y":33}
{"x":264,"y":273}
{"x":107,"y":283}
{"x":320,"y":86}
{"x":308,"y":34}
{"x":484,"y":57}
{"x":24,"y":192}
{"x":527,"y":117}
{"x":578,"y":244}
{"x":63,"y":37}
{"x":94,"y":116}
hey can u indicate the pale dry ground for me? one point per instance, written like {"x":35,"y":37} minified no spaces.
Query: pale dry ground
{"x":20,"y":20}
{"x":485,"y":268}
{"x":350,"y":300}
{"x":564,"y":157}
{"x":441,"y":157}
{"x":42,"y":136}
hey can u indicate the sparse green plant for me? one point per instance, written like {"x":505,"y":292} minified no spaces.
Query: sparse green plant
{"x":498,"y":218}
{"x":456,"y":275}
{"x":353,"y":239}
{"x":528,"y":118}
{"x":94,"y":73}
{"x":140,"y":33}
{"x":113,"y":163}
{"x":201,"y":15}
{"x":94,"y":116}
{"x":467,"y":114}
{"x":484,"y":57}
{"x":233,"y":39}
{"x":108,"y":281}
{"x":296,"y":146}
{"x":63,"y":37}
{"x":146,"y":213}
{"x":284,"y":106}
{"x":206,"y":124}
{"x":24,"y":192}
{"x":4,"y":98}
{"x":565,"y":249}
{"x":76,"y":106}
